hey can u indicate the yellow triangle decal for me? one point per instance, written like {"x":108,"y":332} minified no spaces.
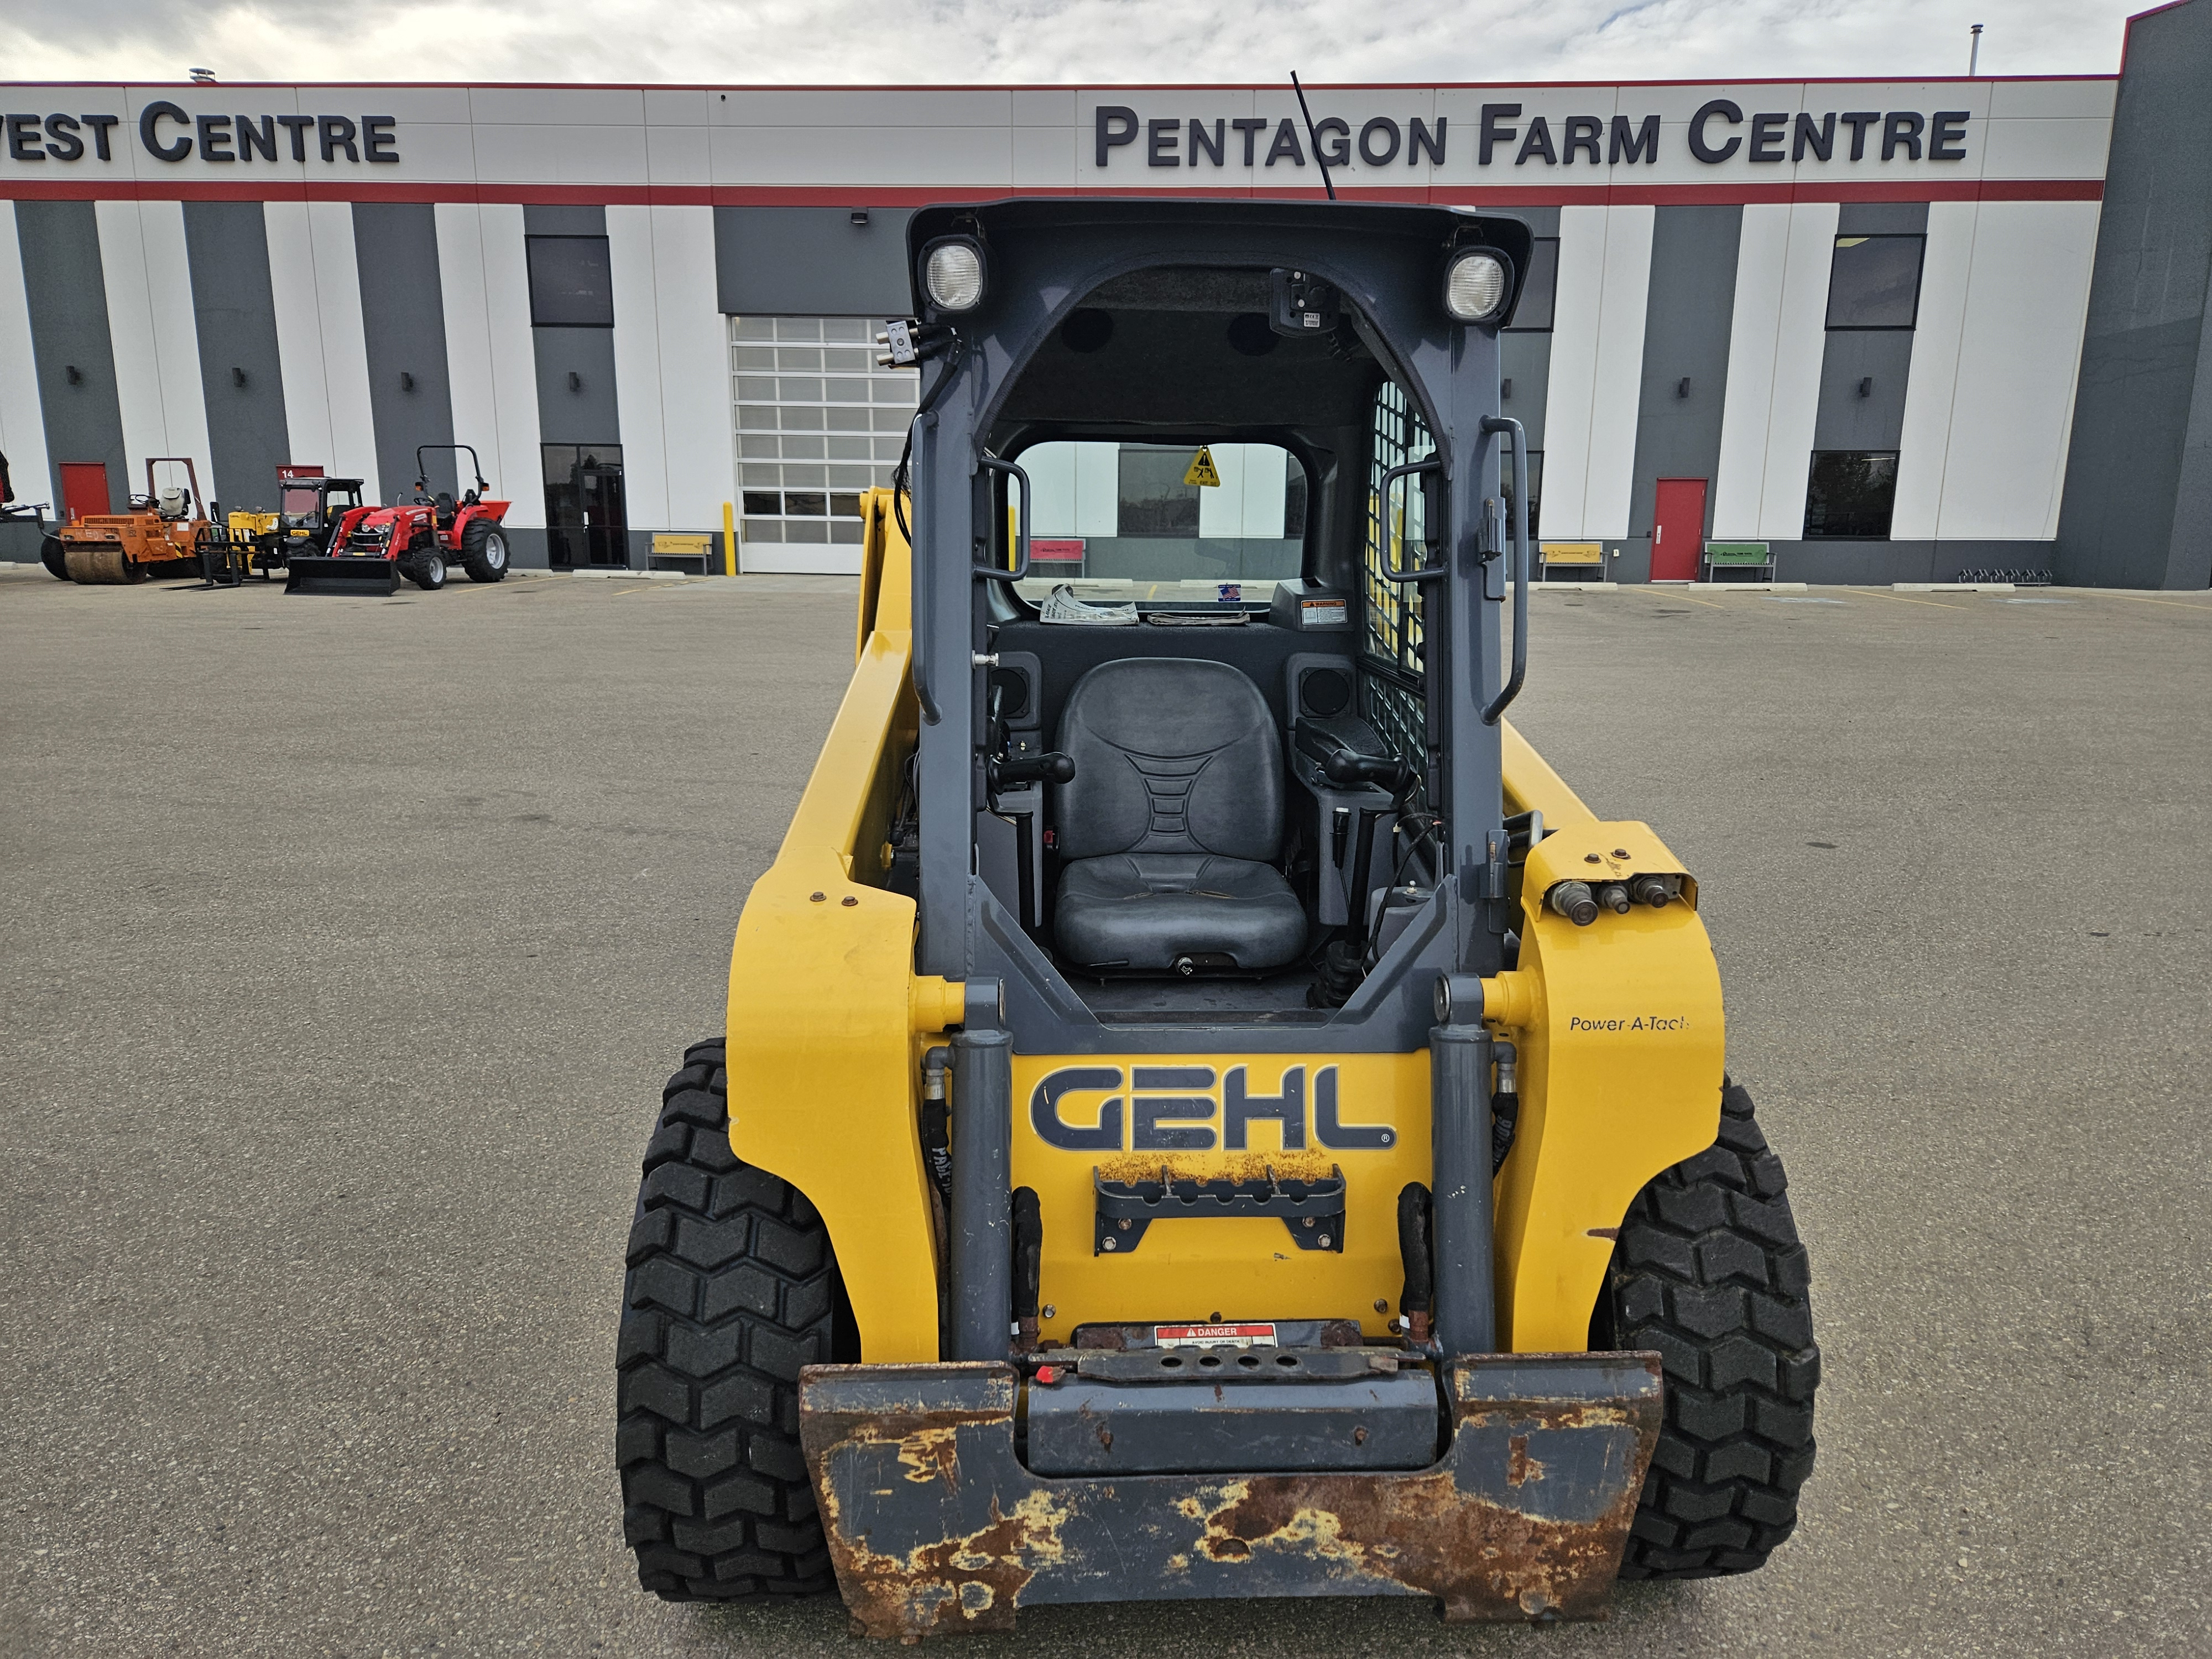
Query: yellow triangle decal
{"x":1202,"y":471}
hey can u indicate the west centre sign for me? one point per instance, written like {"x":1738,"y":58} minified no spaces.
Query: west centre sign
{"x":168,"y":133}
{"x":1717,"y":133}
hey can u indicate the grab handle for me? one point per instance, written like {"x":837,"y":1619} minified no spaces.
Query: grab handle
{"x":1520,"y":555}
{"x":1424,"y":573}
{"x":992,"y":573}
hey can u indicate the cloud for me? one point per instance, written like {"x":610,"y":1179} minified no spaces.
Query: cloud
{"x":881,"y":41}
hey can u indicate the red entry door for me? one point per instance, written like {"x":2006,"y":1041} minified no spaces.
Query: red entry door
{"x":1678,"y":530}
{"x":84,"y":488}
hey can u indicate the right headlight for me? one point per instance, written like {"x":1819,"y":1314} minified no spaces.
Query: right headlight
{"x":1477,"y":286}
{"x":952,"y":273}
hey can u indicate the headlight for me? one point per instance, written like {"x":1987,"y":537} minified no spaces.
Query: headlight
{"x":952,"y":273}
{"x":1476,"y":290}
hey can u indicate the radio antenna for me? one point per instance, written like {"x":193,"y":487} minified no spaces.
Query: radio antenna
{"x":1320,"y":160}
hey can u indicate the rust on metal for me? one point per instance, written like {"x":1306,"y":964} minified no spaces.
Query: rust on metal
{"x":934,"y":1525}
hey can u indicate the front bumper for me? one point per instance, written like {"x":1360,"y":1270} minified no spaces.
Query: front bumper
{"x":935,"y":1525}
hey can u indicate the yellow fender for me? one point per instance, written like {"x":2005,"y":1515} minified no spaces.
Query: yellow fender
{"x":824,"y":1004}
{"x":1621,"y":1043}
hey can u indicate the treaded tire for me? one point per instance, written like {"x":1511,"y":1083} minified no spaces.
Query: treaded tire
{"x":730,"y":1289}
{"x":483,"y":550}
{"x":425,"y":568}
{"x":52,"y":556}
{"x":1708,"y":1272}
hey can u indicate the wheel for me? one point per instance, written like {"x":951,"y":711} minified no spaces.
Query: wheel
{"x":483,"y":550}
{"x":55,"y":557}
{"x":99,"y":563}
{"x":1708,"y":1271}
{"x":732,"y":1288}
{"x":425,"y":569}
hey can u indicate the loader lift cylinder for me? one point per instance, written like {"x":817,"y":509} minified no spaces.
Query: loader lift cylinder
{"x":1459,"y":1073}
{"x":982,"y":1265}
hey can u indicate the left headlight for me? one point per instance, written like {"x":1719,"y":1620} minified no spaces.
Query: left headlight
{"x":952,"y":273}
{"x":1477,"y":287}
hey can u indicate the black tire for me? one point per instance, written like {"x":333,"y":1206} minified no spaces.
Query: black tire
{"x":732,"y":1288}
{"x":1708,"y":1272}
{"x":425,"y":569}
{"x":55,"y":557}
{"x":483,"y":550}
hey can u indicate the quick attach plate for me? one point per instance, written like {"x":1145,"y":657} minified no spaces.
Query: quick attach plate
{"x":1312,"y":1210}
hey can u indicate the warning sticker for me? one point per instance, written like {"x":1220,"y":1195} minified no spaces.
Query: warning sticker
{"x":1322,"y":613}
{"x":1213,"y":1336}
{"x":1202,"y":470}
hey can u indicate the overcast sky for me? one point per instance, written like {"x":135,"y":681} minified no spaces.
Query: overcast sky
{"x":741,"y":41}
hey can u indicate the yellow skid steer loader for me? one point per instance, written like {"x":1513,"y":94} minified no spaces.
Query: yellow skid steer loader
{"x":1205,"y":1110}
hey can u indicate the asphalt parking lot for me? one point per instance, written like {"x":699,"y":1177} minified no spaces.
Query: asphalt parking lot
{"x":345,"y":953}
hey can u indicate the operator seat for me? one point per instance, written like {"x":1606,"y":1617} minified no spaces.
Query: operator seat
{"x":1170,"y":824}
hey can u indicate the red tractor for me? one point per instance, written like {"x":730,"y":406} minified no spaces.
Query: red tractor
{"x":374,"y":546}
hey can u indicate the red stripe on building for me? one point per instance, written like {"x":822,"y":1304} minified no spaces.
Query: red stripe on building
{"x":1498,"y":196}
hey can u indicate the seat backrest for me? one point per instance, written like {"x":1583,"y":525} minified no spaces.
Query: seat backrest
{"x":1172,"y":755}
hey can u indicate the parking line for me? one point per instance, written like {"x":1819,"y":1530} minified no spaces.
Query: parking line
{"x":1652,"y":588}
{"x":1932,"y":605}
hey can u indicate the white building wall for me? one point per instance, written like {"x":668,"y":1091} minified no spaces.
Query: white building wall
{"x":1597,"y":368}
{"x":693,"y":343}
{"x":1777,"y":337}
{"x":22,"y":417}
{"x":1097,"y":490}
{"x":1989,"y":409}
{"x":155,"y":339}
{"x":637,"y":367}
{"x":1250,"y":499}
{"x":489,"y":362}
{"x":315,"y":288}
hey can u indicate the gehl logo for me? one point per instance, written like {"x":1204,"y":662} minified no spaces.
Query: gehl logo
{"x":1174,"y":1109}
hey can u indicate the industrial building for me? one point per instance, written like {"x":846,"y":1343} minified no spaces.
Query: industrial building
{"x":1892,"y":331}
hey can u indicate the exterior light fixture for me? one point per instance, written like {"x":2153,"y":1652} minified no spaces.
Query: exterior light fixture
{"x":1477,"y":287}
{"x":952,"y":273}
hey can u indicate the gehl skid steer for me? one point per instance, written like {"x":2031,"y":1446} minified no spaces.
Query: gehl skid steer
{"x":1205,"y":1110}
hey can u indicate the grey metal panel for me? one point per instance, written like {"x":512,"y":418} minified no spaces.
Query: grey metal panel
{"x":812,"y":262}
{"x":2142,"y":432}
{"x":1883,"y":563}
{"x":403,"y":318}
{"x":1847,"y":420}
{"x":1540,"y":221}
{"x":68,"y":302}
{"x":1686,"y":336}
{"x":564,"y":221}
{"x":227,"y":246}
{"x":527,"y":549}
{"x":1882,"y":219}
{"x":584,"y":413}
{"x":1526,"y":361}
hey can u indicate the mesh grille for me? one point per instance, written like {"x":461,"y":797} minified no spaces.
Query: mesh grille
{"x":1390,"y":694}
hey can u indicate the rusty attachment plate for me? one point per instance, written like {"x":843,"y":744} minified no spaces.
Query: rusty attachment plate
{"x":935,"y":1526}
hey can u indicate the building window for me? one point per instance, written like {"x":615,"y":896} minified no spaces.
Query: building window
{"x":1851,"y":494}
{"x":817,"y":423}
{"x":1533,"y":314}
{"x":1875,"y":281}
{"x":1155,"y":501}
{"x":571,"y":283}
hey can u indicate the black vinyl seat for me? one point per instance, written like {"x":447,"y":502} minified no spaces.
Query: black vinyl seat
{"x":1169,"y":825}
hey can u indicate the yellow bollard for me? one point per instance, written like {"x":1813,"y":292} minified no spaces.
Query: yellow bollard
{"x":729,"y":540}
